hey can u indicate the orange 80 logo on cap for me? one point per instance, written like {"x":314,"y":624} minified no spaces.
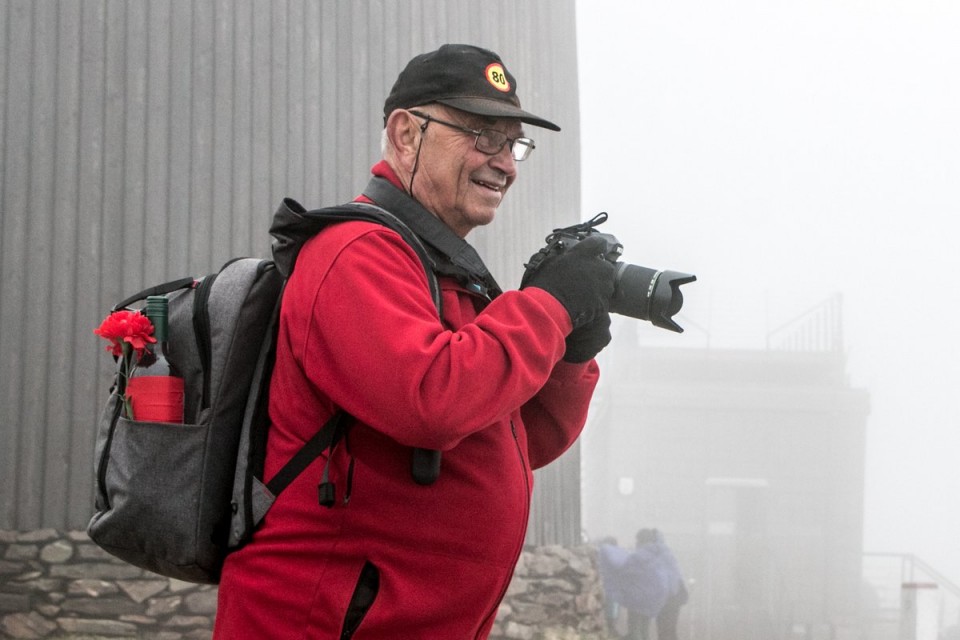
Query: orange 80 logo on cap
{"x":497,"y":77}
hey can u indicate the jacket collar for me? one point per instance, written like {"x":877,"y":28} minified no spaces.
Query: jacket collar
{"x":453,"y":256}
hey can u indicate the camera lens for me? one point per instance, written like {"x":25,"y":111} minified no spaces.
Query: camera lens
{"x":649,"y":295}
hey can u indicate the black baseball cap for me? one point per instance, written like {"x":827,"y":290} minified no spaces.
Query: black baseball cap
{"x":464,"y":77}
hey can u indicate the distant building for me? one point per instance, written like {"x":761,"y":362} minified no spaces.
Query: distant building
{"x":751,"y":462}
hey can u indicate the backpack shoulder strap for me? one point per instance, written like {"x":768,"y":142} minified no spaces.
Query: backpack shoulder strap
{"x":293,"y":225}
{"x":373,"y":213}
{"x":425,"y":463}
{"x":452,"y":254}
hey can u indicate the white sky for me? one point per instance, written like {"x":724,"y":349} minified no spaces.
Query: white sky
{"x":786,"y":151}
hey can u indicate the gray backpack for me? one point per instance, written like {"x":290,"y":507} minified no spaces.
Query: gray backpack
{"x":175,"y":499}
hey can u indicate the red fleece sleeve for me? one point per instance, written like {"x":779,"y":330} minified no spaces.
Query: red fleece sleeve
{"x":555,"y":417}
{"x":373,"y":342}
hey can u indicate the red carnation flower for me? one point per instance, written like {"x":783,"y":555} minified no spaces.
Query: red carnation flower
{"x":131,"y":327}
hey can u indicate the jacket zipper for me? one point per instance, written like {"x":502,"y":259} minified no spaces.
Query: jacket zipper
{"x":526,"y":517}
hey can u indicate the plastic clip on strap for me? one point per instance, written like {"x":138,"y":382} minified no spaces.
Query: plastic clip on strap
{"x":326,"y":490}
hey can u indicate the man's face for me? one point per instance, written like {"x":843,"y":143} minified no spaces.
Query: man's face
{"x":459,"y":184}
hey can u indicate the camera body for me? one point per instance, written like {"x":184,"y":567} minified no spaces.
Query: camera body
{"x":639,"y":292}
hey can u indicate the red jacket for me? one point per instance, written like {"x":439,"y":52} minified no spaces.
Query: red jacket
{"x":486,"y":386}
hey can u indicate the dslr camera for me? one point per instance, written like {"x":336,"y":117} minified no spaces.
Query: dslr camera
{"x":640,"y":292}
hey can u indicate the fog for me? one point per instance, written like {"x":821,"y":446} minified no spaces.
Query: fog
{"x":785,"y":152}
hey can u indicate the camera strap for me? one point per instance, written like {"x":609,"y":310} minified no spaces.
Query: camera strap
{"x":452,"y":255}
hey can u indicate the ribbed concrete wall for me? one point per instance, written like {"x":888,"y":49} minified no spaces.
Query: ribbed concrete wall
{"x":141,"y":141}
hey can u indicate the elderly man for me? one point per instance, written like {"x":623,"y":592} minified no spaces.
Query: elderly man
{"x":498,"y":383}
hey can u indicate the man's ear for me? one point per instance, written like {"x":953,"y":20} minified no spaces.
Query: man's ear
{"x":403,"y":134}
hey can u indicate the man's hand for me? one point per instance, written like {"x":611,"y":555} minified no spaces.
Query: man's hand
{"x":586,"y":342}
{"x":581,"y":279}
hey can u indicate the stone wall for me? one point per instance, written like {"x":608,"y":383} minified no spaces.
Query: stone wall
{"x":555,"y":595}
{"x":61,"y":585}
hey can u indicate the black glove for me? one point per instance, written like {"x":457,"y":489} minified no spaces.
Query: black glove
{"x":586,"y":342}
{"x":581,"y":279}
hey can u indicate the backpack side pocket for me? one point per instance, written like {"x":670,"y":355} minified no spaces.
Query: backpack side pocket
{"x":151,"y":512}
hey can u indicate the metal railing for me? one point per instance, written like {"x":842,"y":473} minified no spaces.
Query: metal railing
{"x":907,"y":599}
{"x":817,"y":329}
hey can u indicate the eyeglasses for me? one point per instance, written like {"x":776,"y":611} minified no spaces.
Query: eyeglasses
{"x":489,"y":141}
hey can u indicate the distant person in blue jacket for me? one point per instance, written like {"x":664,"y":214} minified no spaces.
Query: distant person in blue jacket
{"x":647,"y":582}
{"x":610,"y":558}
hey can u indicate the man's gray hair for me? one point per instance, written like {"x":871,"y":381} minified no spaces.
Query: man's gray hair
{"x":428,"y":108}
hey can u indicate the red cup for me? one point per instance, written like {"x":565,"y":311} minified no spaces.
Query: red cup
{"x":156,"y":398}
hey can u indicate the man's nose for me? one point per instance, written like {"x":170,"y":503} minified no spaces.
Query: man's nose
{"x":503,"y":161}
